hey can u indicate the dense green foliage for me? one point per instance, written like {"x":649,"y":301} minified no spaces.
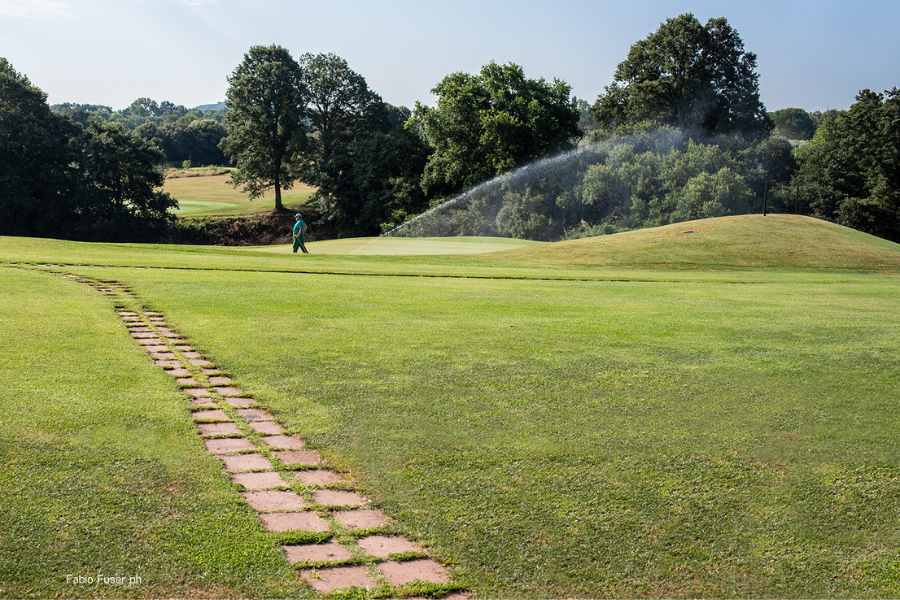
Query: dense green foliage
{"x":642,"y":180}
{"x":793,"y":123}
{"x":688,"y":75}
{"x":360,"y":155}
{"x":850,"y":171}
{"x":59,"y":179}
{"x":181,"y":134}
{"x":489,"y":123}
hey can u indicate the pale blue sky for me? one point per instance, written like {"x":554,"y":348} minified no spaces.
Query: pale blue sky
{"x":812,"y":53}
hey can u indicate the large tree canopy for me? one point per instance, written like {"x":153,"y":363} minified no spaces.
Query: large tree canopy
{"x":488,"y":123}
{"x":850,"y":171}
{"x":364,"y":162}
{"x":687,"y":75}
{"x":265,"y":120}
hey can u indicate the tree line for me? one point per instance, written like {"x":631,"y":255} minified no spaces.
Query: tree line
{"x":679,"y":133}
{"x":62,"y":178}
{"x":184,"y":136}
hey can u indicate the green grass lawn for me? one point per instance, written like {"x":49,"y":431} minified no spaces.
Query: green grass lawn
{"x":667,"y":430}
{"x":213,"y":195}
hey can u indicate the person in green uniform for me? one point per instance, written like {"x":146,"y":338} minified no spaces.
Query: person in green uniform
{"x":297,"y":232}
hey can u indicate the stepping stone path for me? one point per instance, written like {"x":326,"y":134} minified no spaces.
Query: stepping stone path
{"x":288,"y":485}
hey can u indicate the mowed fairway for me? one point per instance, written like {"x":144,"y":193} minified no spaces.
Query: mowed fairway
{"x":213,"y":195}
{"x":680,"y":431}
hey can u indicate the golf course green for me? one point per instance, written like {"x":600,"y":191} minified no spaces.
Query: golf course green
{"x":702,"y":409}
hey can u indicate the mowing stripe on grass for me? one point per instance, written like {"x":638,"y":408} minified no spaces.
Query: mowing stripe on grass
{"x":328,"y":531}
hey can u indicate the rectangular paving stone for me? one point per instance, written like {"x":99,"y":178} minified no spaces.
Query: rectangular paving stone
{"x":339,"y":498}
{"x":255,"y":414}
{"x":187,"y":381}
{"x":243,"y":463}
{"x":213,"y":429}
{"x":152,"y":313}
{"x":197,"y":392}
{"x":228,"y":445}
{"x":127,"y":313}
{"x":163,"y":356}
{"x":274,"y":501}
{"x":422,"y":569}
{"x":293,"y":521}
{"x":361,"y":519}
{"x":228,"y":391}
{"x":316,"y":553}
{"x":329,"y":580}
{"x":192,"y":354}
{"x":140,"y":329}
{"x":155,"y":348}
{"x":210,"y":416}
{"x":144,"y":335}
{"x":220,"y":380}
{"x":284,"y":442}
{"x":183,"y":348}
{"x":199,"y":362}
{"x":259,"y":481}
{"x":209,"y":372}
{"x":383,"y":546}
{"x":203,"y":403}
{"x":299,"y":457}
{"x":317,"y":477}
{"x":168,"y":364}
{"x":266,"y":427}
{"x":153,"y":341}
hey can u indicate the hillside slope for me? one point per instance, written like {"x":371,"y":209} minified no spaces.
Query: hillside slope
{"x":755,"y":241}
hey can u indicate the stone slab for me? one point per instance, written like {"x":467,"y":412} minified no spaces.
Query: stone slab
{"x":210,"y":416}
{"x":299,"y":457}
{"x":316,"y":553}
{"x":293,"y":521}
{"x":326,"y":581}
{"x":361,"y":519}
{"x":259,"y":481}
{"x":284,"y":442}
{"x":214,"y":429}
{"x":227,"y":390}
{"x":383,"y":546}
{"x":274,"y":501}
{"x":243,"y":463}
{"x":339,"y":498}
{"x":266,"y":427}
{"x":255,"y":414}
{"x":423,"y":569}
{"x":317,"y":477}
{"x":228,"y":445}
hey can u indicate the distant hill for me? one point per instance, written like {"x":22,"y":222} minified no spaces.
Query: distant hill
{"x":214,"y":107}
{"x":746,"y":241}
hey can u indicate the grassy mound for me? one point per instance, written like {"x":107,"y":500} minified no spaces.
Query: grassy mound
{"x":746,"y":241}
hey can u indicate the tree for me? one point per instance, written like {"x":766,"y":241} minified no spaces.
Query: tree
{"x":265,"y":120}
{"x":850,"y":171}
{"x":489,"y":123}
{"x":687,"y":75}
{"x":36,"y":177}
{"x":341,"y":110}
{"x":122,"y":179}
{"x":793,"y":123}
{"x":58,"y":178}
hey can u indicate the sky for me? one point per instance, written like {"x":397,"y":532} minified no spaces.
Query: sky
{"x":814,"y":54}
